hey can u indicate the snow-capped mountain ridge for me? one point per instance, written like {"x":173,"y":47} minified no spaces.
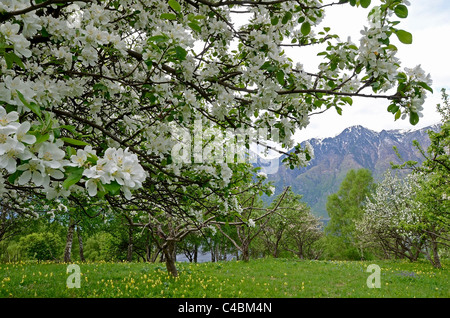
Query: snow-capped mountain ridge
{"x":354,"y":148}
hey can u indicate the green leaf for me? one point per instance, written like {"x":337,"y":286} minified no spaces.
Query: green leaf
{"x":305,"y":28}
{"x":365,"y":3}
{"x":267,"y":66}
{"x":393,"y":108}
{"x":175,"y":5}
{"x":413,"y":118}
{"x":32,"y":106}
{"x":11,"y":58}
{"x":339,"y":110}
{"x":113,"y":188}
{"x":401,"y":11}
{"x":359,"y":68}
{"x":280,"y":77}
{"x":404,"y":36}
{"x":158,"y":38}
{"x":70,"y":128}
{"x":168,"y":16}
{"x":347,"y":99}
{"x":425,"y":85}
{"x":44,"y":32}
{"x":287,"y":17}
{"x":74,"y":174}
{"x":70,"y":151}
{"x":194,"y":26}
{"x":274,"y":20}
{"x":398,"y":114}
{"x":12,"y":178}
{"x":74,"y":141}
{"x":41,"y":138}
{"x":199,"y":17}
{"x":92,"y":158}
{"x":180,"y":53}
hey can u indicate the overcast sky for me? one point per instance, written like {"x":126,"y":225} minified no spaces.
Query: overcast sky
{"x":428,"y":21}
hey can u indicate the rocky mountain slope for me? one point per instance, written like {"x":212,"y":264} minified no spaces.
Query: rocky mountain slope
{"x":356,"y":147}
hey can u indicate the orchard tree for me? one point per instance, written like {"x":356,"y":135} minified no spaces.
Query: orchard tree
{"x":101,"y":97}
{"x":434,"y":179}
{"x":250,"y":221}
{"x":293,"y":228}
{"x":436,"y":167}
{"x":304,"y":234}
{"x":390,"y":218}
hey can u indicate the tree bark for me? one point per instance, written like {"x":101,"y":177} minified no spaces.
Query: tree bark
{"x":148,"y":250}
{"x":245,"y":252}
{"x":130,"y":245}
{"x":195,"y":253}
{"x":170,"y":258}
{"x":69,"y":241}
{"x":436,"y":262}
{"x":213,"y":253}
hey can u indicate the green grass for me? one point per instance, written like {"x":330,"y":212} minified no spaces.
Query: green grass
{"x":262,"y":278}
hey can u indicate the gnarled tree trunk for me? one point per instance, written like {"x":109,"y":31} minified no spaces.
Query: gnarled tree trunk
{"x":170,"y":257}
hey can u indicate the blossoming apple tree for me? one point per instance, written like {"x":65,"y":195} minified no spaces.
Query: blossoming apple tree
{"x":390,"y":218}
{"x":92,"y":93}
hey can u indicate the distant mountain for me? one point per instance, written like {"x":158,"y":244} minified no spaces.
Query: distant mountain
{"x":354,"y":148}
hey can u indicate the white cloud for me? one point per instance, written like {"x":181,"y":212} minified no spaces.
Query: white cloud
{"x":429,"y":24}
{"x":427,"y":21}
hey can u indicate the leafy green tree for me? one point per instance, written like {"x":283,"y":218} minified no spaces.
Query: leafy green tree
{"x":101,"y":246}
{"x":345,"y":207}
{"x":42,"y":246}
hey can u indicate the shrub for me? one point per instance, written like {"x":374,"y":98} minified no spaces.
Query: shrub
{"x":42,"y":246}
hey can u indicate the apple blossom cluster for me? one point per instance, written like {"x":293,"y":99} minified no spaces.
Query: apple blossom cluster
{"x":117,"y":165}
{"x":13,"y":140}
{"x":417,"y":75}
{"x":44,"y":162}
{"x":371,"y":49}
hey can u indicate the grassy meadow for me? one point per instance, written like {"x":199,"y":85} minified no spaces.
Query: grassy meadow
{"x":261,"y":278}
